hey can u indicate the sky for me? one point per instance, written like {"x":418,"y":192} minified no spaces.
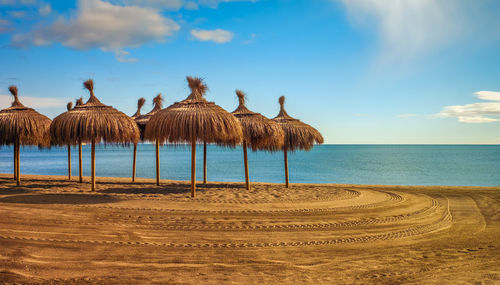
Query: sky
{"x":360,"y":71}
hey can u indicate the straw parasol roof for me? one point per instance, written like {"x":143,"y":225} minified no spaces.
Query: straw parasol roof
{"x":259,"y":132}
{"x":23,"y":124}
{"x":195,"y":117}
{"x":93,"y":121}
{"x":298,"y":135}
{"x":142,"y":120}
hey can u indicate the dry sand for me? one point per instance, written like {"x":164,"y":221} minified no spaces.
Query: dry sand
{"x":58,"y":232}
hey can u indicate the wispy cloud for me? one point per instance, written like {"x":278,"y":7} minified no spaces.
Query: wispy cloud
{"x":407,"y":116}
{"x":483,"y":112}
{"x":17,"y":2}
{"x":156,"y":4}
{"x":18,"y":14}
{"x":176,"y":4}
{"x":98,"y":24}
{"x":361,"y":115}
{"x":409,"y":28}
{"x":250,"y":40}
{"x":5,"y":26}
{"x":45,"y":10}
{"x":32,"y":102}
{"x":219,"y":36}
{"x":215,"y":3}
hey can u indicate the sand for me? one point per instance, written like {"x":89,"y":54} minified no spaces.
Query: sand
{"x":58,"y":232}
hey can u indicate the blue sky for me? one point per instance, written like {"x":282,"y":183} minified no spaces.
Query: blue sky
{"x":360,"y":71}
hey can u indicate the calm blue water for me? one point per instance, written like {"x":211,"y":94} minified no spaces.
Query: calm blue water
{"x":472,"y":165}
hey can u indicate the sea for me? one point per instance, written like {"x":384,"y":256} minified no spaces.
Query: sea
{"x":465,"y":165}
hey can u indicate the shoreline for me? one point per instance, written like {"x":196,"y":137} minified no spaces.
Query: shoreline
{"x":127,"y":180}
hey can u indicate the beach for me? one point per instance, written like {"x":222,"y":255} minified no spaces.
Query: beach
{"x":59,"y":232}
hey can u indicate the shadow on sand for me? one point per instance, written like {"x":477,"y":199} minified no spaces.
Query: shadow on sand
{"x":167,"y":188}
{"x":73,"y":199}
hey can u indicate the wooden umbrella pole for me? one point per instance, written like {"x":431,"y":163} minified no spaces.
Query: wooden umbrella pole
{"x":134,"y":162}
{"x":158,"y":162}
{"x":93,"y":165}
{"x":80,"y":171}
{"x":18,"y":165}
{"x":286,"y":167}
{"x":247,"y":179}
{"x":204,"y":162}
{"x":69,"y":162}
{"x":193,"y":167}
{"x":15,"y":161}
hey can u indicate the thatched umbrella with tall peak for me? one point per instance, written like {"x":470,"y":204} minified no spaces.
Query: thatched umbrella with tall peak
{"x":20,"y":125}
{"x":141,"y":121}
{"x":140,"y":103}
{"x":194,"y":120}
{"x":93,"y":122}
{"x":298,"y":135}
{"x":259,"y":132}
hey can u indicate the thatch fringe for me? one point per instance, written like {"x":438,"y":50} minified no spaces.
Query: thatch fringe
{"x":24,"y":124}
{"x":93,"y":121}
{"x":298,"y":135}
{"x":259,"y":132}
{"x":195,"y":118}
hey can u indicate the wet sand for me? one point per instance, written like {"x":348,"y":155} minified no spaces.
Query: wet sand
{"x":59,"y":232}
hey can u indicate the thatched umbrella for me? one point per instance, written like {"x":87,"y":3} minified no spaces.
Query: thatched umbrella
{"x":140,"y":103}
{"x":194,"y":119}
{"x":259,"y":132}
{"x":298,"y":135}
{"x":20,"y":125}
{"x":141,"y":121}
{"x":93,"y":122}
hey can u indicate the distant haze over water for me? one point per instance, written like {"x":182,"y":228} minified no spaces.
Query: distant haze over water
{"x":467,"y":165}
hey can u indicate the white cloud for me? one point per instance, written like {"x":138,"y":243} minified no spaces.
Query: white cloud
{"x":32,"y":102}
{"x":219,"y":36}
{"x":99,"y":24}
{"x":476,"y":112}
{"x":407,"y":116}
{"x":488,"y":95}
{"x":409,"y":27}
{"x":45,"y":10}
